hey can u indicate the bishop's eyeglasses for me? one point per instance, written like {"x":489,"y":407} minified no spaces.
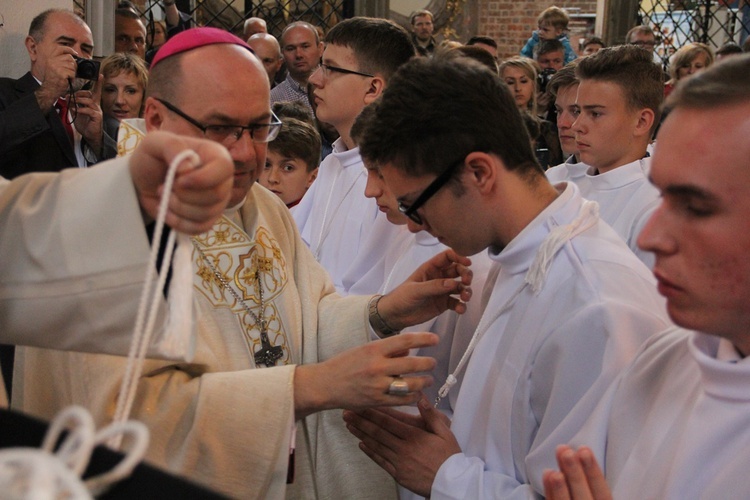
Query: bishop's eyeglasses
{"x":228,"y":134}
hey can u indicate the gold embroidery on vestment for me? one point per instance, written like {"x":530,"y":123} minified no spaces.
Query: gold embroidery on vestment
{"x":239,"y":259}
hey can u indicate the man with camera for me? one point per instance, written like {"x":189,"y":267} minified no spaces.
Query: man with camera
{"x":550,"y":54}
{"x":38,"y":131}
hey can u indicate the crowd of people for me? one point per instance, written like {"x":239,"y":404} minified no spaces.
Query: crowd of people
{"x":518,"y":277}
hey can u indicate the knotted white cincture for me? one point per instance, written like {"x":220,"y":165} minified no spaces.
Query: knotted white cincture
{"x":554,"y":241}
{"x":42,"y":473}
{"x":179,"y":327}
{"x":535,"y":277}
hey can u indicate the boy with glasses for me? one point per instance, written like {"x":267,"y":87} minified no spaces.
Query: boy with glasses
{"x":404,"y":254}
{"x":345,"y":231}
{"x":565,"y":302}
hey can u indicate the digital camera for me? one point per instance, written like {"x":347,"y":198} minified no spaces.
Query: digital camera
{"x":87,"y":69}
{"x":544,"y":77}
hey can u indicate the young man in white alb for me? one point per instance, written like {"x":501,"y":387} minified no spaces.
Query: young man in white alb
{"x":345,"y":231}
{"x":619,"y":95}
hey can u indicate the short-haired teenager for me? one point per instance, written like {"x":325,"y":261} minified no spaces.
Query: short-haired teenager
{"x":563,"y":88}
{"x":619,"y":97}
{"x":334,"y":217}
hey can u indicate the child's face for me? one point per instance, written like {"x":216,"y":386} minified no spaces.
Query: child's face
{"x":605,"y":127}
{"x":698,"y":64}
{"x":377,"y":190}
{"x":592,"y":48}
{"x":288,"y":178}
{"x":549,"y":32}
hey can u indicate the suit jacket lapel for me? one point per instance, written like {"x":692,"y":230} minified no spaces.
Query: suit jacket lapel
{"x":26,"y":85}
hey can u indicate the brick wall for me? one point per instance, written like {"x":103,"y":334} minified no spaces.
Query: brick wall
{"x":510,"y":22}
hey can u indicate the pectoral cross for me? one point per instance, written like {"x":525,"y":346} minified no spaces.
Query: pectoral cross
{"x":268,"y":354}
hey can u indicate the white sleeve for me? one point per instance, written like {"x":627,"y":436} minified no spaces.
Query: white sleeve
{"x":74,"y":254}
{"x":572,"y":370}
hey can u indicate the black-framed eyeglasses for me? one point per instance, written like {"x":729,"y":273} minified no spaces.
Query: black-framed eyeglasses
{"x":228,"y":134}
{"x":441,"y":180}
{"x":327,"y":69}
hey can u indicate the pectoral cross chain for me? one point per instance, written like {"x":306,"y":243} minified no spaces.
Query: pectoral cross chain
{"x":268,"y":354}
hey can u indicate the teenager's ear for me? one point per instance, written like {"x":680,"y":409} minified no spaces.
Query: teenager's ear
{"x":377,"y":86}
{"x":481,"y":170}
{"x":645,"y":122}
{"x":313,"y":175}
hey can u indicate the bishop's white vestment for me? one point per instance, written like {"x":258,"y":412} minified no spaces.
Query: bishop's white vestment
{"x":220,"y":419}
{"x":69,"y":277}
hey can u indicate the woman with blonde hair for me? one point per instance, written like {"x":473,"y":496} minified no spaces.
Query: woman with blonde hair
{"x":157,"y":35}
{"x":690,"y":59}
{"x":124,"y":86}
{"x":123,"y":89}
{"x":520,"y":75}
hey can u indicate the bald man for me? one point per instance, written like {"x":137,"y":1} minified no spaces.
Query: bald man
{"x":268,"y":50}
{"x":302,"y":50}
{"x":253,"y":26}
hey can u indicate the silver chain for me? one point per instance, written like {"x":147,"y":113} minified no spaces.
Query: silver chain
{"x":268,"y":354}
{"x":226,"y":286}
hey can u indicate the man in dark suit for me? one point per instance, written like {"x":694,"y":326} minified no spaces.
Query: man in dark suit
{"x":37,"y":133}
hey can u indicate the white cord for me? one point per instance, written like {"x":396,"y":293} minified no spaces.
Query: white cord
{"x":535,"y":277}
{"x":150,"y":299}
{"x":42,"y":473}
